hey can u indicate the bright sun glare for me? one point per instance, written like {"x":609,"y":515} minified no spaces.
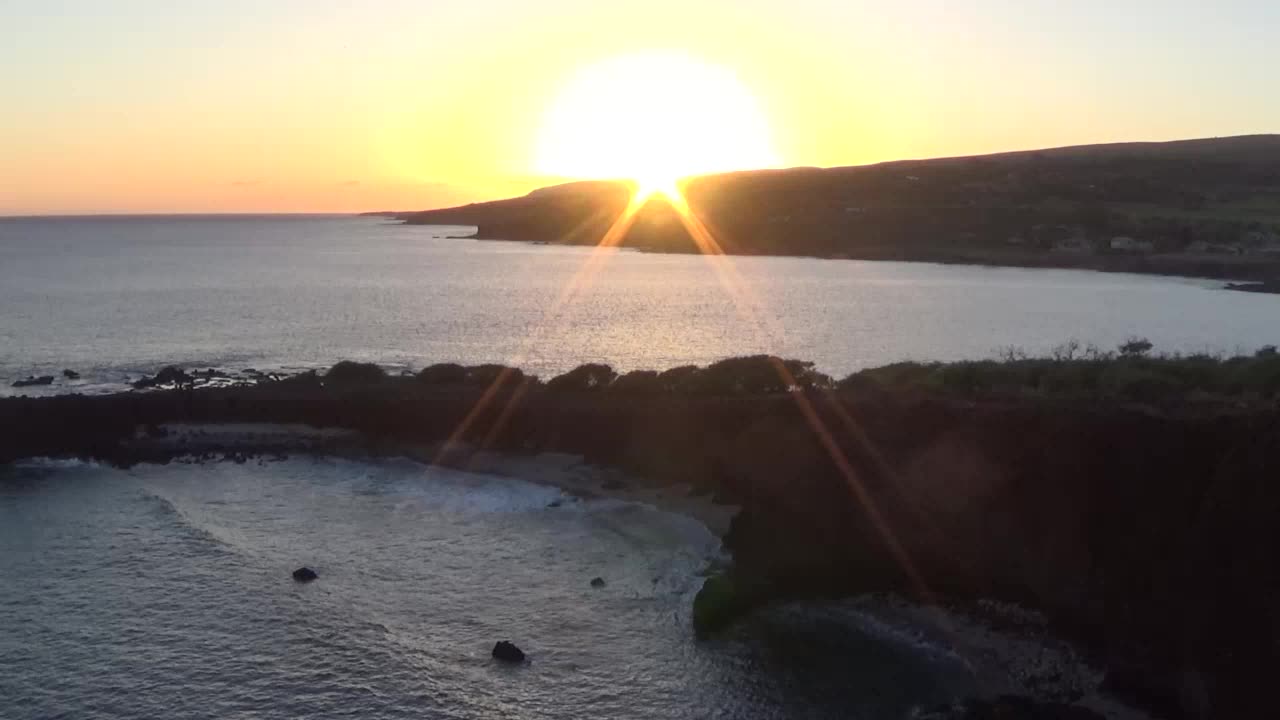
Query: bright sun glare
{"x":653,"y":118}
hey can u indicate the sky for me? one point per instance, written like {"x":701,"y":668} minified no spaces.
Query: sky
{"x":129,"y":106}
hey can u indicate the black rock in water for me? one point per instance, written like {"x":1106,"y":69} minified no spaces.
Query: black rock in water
{"x":33,"y":380}
{"x":597,"y":582}
{"x":71,"y":374}
{"x":306,"y":574}
{"x":508,"y":652}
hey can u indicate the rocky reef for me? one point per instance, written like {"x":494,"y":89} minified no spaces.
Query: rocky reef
{"x":1145,"y":531}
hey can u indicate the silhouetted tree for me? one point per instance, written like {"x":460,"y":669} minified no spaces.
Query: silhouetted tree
{"x":348,"y":372}
{"x":592,"y":376}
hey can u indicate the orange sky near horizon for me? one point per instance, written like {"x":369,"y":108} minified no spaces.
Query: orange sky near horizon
{"x":326,"y":107}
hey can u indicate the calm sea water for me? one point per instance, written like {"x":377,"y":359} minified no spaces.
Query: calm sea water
{"x":116,"y":297}
{"x":165,"y":591}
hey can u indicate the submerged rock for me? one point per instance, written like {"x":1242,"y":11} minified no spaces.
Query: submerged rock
{"x":507,"y":652}
{"x":33,"y":380}
{"x":304,"y":574}
{"x":597,"y":582}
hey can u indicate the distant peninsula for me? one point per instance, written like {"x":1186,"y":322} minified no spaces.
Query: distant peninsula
{"x":1204,"y":208}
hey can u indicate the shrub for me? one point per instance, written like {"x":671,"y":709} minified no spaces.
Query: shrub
{"x":755,"y":375}
{"x":1066,"y":352}
{"x":592,"y":376}
{"x":348,"y":372}
{"x":491,"y":374}
{"x":1129,"y":374}
{"x":1138,"y":382}
{"x":1135,"y":347}
{"x":1072,"y":378}
{"x":639,"y":382}
{"x":443,"y":374}
{"x":896,"y":375}
{"x":677,"y":378}
{"x":1257,"y":375}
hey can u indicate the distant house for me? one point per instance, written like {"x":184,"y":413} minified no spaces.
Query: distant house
{"x":1260,"y":238}
{"x":1073,"y":245}
{"x":1132,"y":245}
{"x":1260,"y":242}
{"x":1201,"y":247}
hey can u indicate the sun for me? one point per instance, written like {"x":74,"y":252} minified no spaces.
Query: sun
{"x":653,"y":118}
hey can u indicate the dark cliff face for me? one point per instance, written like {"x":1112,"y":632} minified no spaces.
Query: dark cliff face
{"x":1149,"y":538}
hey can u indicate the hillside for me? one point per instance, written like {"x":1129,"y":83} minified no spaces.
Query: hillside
{"x":1206,"y":207}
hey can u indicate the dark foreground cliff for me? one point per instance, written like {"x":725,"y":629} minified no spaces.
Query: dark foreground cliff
{"x":1145,"y":530}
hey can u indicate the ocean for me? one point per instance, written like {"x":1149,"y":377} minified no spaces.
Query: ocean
{"x":165,"y":590}
{"x":115,"y":298}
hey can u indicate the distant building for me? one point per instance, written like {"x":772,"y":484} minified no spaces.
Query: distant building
{"x":1260,"y":241}
{"x":1132,"y":245}
{"x":1073,"y":245}
{"x":1201,"y":247}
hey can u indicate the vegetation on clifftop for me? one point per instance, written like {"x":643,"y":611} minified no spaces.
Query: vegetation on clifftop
{"x":1130,"y":373}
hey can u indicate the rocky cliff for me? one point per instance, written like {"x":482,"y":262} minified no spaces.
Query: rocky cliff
{"x":1148,"y":537}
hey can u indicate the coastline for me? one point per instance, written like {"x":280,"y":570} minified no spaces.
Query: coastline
{"x":240,"y":442}
{"x":1258,"y":275}
{"x":943,"y":483}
